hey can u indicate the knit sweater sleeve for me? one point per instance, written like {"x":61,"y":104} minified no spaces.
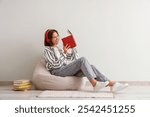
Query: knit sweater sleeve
{"x":51,"y":61}
{"x":73,"y":55}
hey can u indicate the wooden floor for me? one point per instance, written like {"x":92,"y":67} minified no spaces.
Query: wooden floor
{"x":133,"y":92}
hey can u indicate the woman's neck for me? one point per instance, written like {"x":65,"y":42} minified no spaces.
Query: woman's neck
{"x":54,"y":46}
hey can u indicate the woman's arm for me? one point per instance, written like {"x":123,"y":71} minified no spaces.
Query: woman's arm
{"x":73,"y":55}
{"x":52,"y":61}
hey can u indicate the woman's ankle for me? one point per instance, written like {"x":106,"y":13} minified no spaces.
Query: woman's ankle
{"x":93,"y":82}
{"x":111,"y":83}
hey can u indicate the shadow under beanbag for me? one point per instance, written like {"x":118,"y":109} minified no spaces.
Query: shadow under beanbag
{"x":43,"y":80}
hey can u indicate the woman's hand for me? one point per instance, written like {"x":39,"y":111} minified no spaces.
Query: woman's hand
{"x":65,"y":48}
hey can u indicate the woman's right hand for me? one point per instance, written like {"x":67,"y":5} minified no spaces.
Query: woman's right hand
{"x":65,"y":48}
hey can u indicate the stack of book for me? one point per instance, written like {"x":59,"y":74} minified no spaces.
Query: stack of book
{"x":22,"y":85}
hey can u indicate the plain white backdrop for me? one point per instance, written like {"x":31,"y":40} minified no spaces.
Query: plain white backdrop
{"x":114,"y":35}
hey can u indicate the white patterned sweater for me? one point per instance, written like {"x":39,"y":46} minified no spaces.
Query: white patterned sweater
{"x":55,"y":57}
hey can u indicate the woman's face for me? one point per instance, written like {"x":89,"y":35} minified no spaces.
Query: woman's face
{"x":55,"y":38}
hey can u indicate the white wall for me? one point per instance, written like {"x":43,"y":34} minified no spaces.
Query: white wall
{"x":113,"y":34}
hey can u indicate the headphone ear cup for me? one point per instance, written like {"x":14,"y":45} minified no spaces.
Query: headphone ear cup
{"x":47,"y":39}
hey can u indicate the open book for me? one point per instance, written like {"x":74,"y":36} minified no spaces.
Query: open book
{"x":69,"y":40}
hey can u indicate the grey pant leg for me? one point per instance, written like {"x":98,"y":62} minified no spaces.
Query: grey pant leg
{"x":80,"y":74}
{"x":99,"y":75}
{"x":74,"y":67}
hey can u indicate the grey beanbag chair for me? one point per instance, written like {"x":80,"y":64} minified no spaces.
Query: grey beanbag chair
{"x":43,"y":80}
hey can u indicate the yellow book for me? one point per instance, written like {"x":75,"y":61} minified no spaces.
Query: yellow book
{"x":25,"y":87}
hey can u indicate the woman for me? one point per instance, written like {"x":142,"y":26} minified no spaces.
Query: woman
{"x":57,"y":64}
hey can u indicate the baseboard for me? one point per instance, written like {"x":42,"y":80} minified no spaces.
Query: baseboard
{"x":140,"y":83}
{"x":132,"y":83}
{"x":3,"y":83}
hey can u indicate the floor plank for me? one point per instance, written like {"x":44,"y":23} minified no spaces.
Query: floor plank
{"x":131,"y":93}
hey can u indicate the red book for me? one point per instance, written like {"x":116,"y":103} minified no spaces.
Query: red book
{"x":69,"y":40}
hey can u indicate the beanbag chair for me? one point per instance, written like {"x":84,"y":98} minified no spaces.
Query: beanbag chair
{"x":44,"y":80}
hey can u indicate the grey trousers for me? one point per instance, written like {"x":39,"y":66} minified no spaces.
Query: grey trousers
{"x":80,"y":68}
